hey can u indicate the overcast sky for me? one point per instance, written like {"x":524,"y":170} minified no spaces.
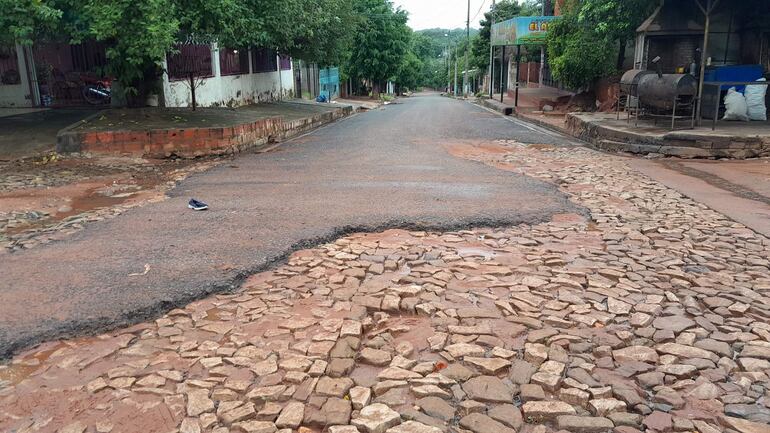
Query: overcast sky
{"x":428,"y":14}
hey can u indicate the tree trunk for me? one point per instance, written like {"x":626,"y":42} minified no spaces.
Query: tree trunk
{"x":621,"y":54}
{"x":192,"y":91}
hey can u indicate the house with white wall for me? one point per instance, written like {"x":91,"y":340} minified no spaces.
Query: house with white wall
{"x":226,"y":77}
{"x":16,"y":89}
{"x":53,"y":74}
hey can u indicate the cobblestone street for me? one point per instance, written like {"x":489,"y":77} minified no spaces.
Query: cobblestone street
{"x":650,"y":312}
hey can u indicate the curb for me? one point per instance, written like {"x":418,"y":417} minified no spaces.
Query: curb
{"x":191,"y":142}
{"x":682,"y":144}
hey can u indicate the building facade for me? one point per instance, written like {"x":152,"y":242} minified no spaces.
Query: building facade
{"x":56,"y":74}
{"x":226,"y":77}
{"x":15,"y":83}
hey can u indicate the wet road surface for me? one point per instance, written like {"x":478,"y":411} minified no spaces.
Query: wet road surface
{"x":382,"y":169}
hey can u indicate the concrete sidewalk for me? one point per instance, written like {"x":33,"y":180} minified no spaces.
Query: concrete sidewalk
{"x":27,"y":133}
{"x":738,"y":189}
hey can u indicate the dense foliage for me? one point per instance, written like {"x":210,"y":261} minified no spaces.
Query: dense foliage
{"x":589,"y":40}
{"x":437,"y":48}
{"x":577,"y":55}
{"x":139,"y":33}
{"x":370,"y":39}
{"x":381,"y":43}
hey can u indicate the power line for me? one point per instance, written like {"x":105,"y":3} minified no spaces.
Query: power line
{"x":479,"y":11}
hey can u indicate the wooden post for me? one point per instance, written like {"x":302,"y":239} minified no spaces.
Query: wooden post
{"x":491,"y":54}
{"x":707,"y":13}
{"x":502,"y":73}
{"x":492,"y":75}
{"x":299,"y":75}
{"x":518,"y":69}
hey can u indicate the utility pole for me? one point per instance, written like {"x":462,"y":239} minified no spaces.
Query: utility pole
{"x":491,"y":54}
{"x":546,"y":9}
{"x":706,"y":9}
{"x":467,"y":48}
{"x":448,"y":62}
{"x":456,"y":49}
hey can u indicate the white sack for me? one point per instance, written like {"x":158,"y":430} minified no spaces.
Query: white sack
{"x":755,"y":100}
{"x":735,"y":106}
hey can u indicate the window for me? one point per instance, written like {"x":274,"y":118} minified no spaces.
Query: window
{"x":233,"y":61}
{"x":192,"y":58}
{"x":9,"y":66}
{"x":285,"y":62}
{"x":263,"y":60}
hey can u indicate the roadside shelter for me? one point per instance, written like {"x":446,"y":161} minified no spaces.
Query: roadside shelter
{"x":718,"y":41}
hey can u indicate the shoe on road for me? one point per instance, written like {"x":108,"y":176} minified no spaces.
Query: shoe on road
{"x":197,"y":205}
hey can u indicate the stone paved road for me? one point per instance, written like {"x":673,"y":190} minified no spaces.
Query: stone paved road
{"x":652,"y":314}
{"x":385,"y":168}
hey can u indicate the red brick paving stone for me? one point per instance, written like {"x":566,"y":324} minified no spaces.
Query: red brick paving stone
{"x":647,"y":247}
{"x":626,"y":429}
{"x":479,"y":423}
{"x":658,"y":420}
{"x":413,"y":427}
{"x":583,"y":424}
{"x":744,"y":426}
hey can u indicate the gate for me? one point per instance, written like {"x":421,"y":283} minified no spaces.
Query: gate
{"x":329,"y":80}
{"x":63,"y":70}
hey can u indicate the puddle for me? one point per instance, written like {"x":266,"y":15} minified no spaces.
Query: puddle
{"x":214,"y":314}
{"x":542,"y":146}
{"x":86,"y":197}
{"x":485,"y":253}
{"x":25,"y":367}
{"x":419,"y":329}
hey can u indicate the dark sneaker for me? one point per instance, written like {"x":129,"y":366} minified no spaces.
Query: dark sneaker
{"x":197,"y":205}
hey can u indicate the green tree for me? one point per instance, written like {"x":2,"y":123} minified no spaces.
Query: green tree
{"x":409,"y":75}
{"x":380,"y":43}
{"x":505,"y":9}
{"x":139,"y":33}
{"x":431,"y":46}
{"x":577,"y":55}
{"x":133,"y":57}
{"x":616,"y":20}
{"x":588,"y":41}
{"x":23,"y":20}
{"x":325,"y":31}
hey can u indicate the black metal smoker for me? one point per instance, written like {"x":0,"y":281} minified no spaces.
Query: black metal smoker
{"x":658,"y":95}
{"x":628,"y":96}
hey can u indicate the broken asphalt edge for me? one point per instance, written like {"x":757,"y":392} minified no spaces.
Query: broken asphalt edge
{"x":232,"y":283}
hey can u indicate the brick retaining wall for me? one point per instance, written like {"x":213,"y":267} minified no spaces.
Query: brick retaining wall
{"x":190,"y":142}
{"x":686,"y":144}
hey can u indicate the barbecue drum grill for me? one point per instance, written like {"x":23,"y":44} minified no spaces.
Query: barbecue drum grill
{"x":630,"y":80}
{"x":662,"y":90}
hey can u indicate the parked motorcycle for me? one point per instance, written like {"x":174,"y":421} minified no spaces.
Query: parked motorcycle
{"x":97,"y":91}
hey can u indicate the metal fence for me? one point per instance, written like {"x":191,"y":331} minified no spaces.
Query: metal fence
{"x":263,"y":60}
{"x":9,"y":66}
{"x":233,"y":61}
{"x":189,"y":59}
{"x":63,"y":70}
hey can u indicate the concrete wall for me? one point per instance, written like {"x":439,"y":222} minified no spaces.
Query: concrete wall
{"x":17,"y":95}
{"x":230,"y":90}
